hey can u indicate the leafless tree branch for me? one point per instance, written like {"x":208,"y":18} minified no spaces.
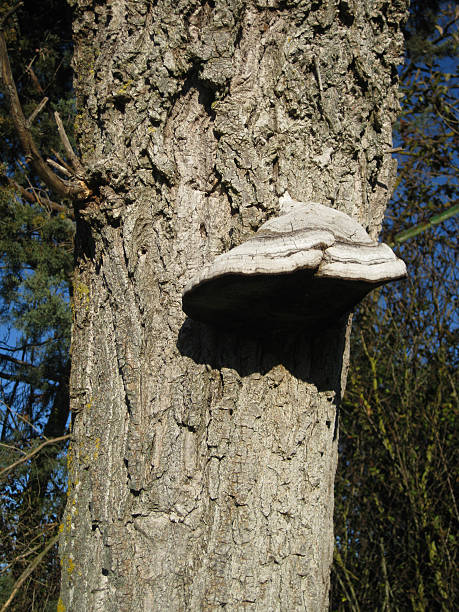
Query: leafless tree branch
{"x":58,"y":167}
{"x":33,"y":453}
{"x":33,"y":198}
{"x":67,"y":146}
{"x":29,"y":569}
{"x":63,"y":188}
{"x":38,"y":110}
{"x":63,"y":162}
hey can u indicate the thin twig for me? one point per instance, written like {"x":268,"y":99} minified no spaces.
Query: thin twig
{"x":63,"y":162}
{"x":385,"y":605}
{"x":34,"y":79}
{"x":10,"y":564}
{"x":29,"y":65}
{"x":8,"y":14}
{"x":33,"y":453}
{"x":19,"y":450}
{"x":26,"y":573}
{"x":6,"y":347}
{"x":16,"y":361}
{"x":58,"y":167}
{"x":33,"y":198}
{"x":53,"y":78}
{"x":445,"y":32}
{"x":447,"y":472}
{"x":77,"y":165}
{"x":39,"y":108}
{"x":24,"y":364}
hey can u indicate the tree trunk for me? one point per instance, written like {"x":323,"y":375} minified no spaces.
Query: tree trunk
{"x":201,"y":472}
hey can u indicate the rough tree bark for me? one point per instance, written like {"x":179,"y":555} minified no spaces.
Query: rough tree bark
{"x":201,"y":472}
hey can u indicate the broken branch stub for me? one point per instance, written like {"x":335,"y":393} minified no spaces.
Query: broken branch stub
{"x":303,"y":269}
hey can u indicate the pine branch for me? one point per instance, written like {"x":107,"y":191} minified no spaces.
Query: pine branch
{"x":17,"y":361}
{"x":34,"y":199}
{"x":8,"y":14}
{"x":25,"y":364}
{"x":23,"y":378}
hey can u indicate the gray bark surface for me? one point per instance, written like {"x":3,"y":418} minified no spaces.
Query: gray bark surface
{"x":202,"y":467}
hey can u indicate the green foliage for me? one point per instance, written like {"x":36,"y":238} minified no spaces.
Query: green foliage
{"x":396,"y":517}
{"x":36,"y":249}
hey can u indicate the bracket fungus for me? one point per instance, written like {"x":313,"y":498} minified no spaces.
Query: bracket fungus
{"x":301,"y":270}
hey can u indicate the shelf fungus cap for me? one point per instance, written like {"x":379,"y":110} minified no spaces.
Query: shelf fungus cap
{"x":303,"y":269}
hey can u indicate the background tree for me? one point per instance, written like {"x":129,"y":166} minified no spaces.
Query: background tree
{"x":36,"y":250}
{"x":396,"y":516}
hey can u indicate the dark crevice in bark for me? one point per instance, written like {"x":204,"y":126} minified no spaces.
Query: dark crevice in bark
{"x":345,"y":13}
{"x":320,"y":29}
{"x":379,"y":22}
{"x":316,"y":5}
{"x":85,"y":247}
{"x":190,"y":428}
{"x":238,"y":37}
{"x":160,"y":177}
{"x":359,"y":79}
{"x":120,"y":103}
{"x":206,"y":89}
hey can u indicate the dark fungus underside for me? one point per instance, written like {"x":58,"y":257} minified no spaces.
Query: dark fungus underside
{"x":261,"y":302}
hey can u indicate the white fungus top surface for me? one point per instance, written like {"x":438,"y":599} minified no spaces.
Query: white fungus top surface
{"x":308,"y":236}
